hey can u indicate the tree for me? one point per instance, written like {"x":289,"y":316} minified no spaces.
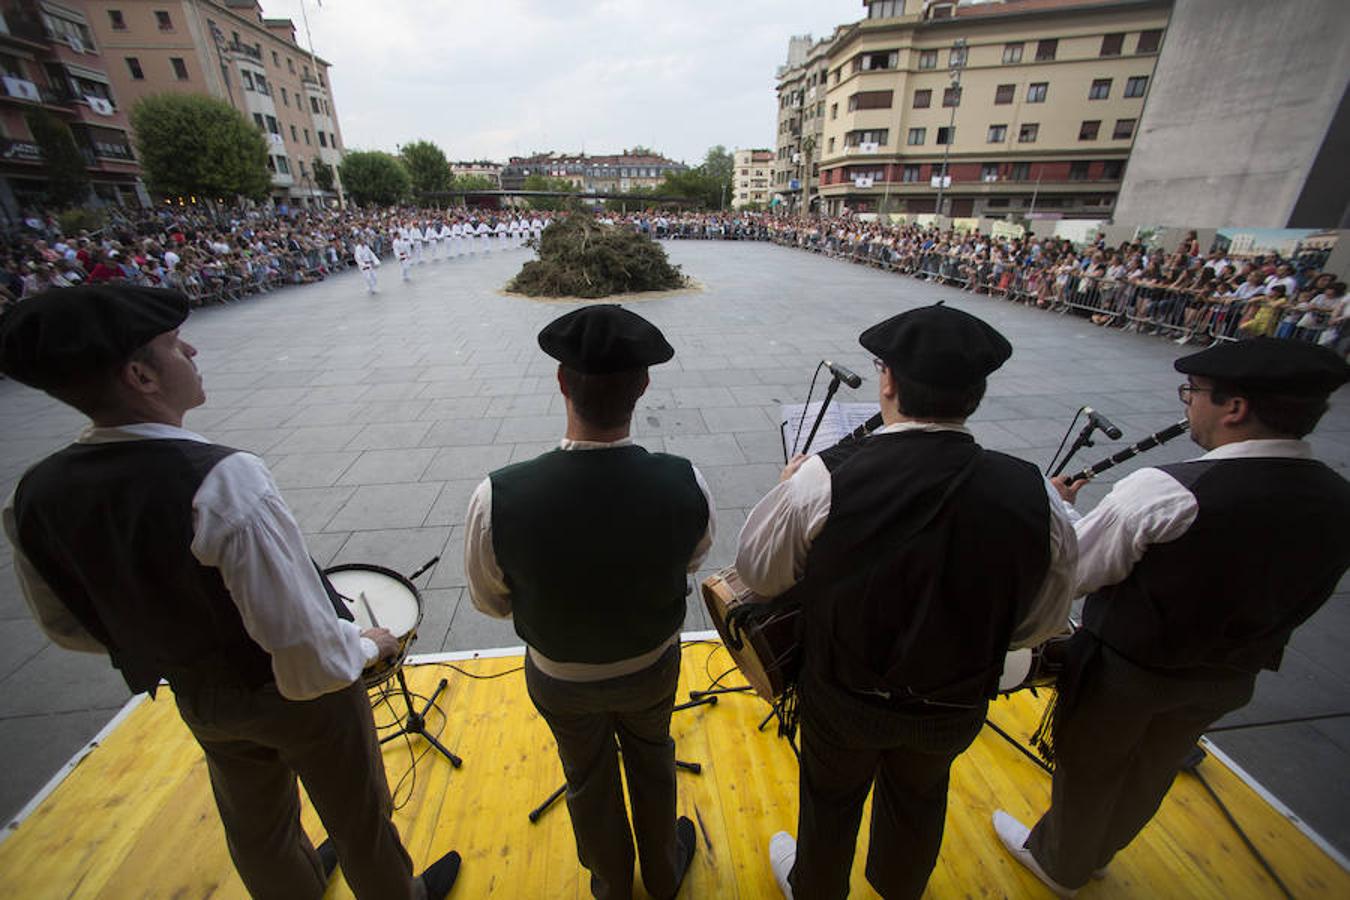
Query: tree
{"x":427,"y":166}
{"x":67,"y":178}
{"x":640,"y":150}
{"x":194,"y":145}
{"x":471,"y":183}
{"x":693,"y":184}
{"x":373,"y":176}
{"x":323,"y":175}
{"x":720,"y":165}
{"x":545,"y":183}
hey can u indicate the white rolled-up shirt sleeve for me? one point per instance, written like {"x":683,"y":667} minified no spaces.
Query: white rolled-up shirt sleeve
{"x":1146,"y":507}
{"x":243,"y":528}
{"x":1048,"y":613}
{"x":777,"y":535}
{"x":488,"y":590}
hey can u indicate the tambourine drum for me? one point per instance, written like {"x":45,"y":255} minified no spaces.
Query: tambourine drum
{"x":1034,"y":667}
{"x":762,"y":641}
{"x":395,"y":603}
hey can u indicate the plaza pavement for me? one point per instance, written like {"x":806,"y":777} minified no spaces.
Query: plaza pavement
{"x":378,"y":415}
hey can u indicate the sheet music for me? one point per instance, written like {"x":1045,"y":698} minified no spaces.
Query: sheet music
{"x":840,"y":419}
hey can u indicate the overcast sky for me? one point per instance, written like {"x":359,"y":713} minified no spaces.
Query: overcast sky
{"x":487,"y":79}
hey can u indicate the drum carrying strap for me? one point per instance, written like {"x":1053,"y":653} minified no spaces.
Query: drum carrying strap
{"x":918,"y":525}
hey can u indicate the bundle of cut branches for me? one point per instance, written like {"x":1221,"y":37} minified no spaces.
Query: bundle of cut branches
{"x":579,"y":257}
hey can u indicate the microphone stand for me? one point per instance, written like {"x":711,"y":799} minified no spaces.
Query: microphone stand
{"x":1084,"y":439}
{"x":820,"y":414}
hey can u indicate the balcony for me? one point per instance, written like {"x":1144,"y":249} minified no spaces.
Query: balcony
{"x":252,"y":53}
{"x":29,"y":92}
{"x":23,"y":31}
{"x":19,"y":151}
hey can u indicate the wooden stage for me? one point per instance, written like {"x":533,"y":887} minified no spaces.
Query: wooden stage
{"x":135,"y":818}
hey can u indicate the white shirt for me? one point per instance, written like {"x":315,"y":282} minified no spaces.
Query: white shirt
{"x":779,"y":531}
{"x":365,"y":257}
{"x":1150,"y":507}
{"x":241,"y":526}
{"x":491,"y":595}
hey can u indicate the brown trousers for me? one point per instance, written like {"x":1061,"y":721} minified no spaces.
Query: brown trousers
{"x":256,"y":744}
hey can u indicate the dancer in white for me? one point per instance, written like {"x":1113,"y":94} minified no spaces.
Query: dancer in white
{"x":367,"y":262}
{"x":484,"y":234}
{"x":415,"y":236}
{"x":503,"y":235}
{"x":403,"y":250}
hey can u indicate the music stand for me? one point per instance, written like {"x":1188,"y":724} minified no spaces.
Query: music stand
{"x":695,"y":768}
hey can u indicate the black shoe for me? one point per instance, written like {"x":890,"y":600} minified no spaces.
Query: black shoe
{"x":685,"y":844}
{"x":439,"y":877}
{"x":327,"y":858}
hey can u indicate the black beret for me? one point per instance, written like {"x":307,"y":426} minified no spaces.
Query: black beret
{"x":65,"y":336}
{"x":937,"y":345}
{"x":1277,"y":365}
{"x":604,"y":338}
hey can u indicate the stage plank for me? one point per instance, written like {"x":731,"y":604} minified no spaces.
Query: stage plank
{"x":136,"y":818}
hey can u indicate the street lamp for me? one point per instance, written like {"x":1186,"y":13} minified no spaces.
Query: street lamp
{"x":958,"y":62}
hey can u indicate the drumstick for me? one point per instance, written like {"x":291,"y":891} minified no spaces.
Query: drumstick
{"x":370,"y":613}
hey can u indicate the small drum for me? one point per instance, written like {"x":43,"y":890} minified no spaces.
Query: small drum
{"x":761,"y":638}
{"x":1034,"y":667}
{"x":390,"y":601}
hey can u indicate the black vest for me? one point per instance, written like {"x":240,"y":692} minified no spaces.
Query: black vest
{"x":1270,"y":541}
{"x":595,"y":545}
{"x":929,"y":617}
{"x":109,"y":528}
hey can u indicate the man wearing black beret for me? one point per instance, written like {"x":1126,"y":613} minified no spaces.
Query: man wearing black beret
{"x":588,"y":549}
{"x":1196,"y":575}
{"x":179,"y":559}
{"x":920,"y":559}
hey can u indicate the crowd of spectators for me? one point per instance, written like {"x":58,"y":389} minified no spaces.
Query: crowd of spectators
{"x":1188,"y":294}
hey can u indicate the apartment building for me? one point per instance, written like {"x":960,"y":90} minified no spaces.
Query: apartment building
{"x":616,"y":173}
{"x":51,"y":62}
{"x":801,"y":122}
{"x":995,"y":107}
{"x":753,"y":178}
{"x":478,"y":168}
{"x":230,"y":50}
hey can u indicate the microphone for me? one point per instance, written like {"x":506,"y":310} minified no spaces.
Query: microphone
{"x":845,"y":375}
{"x":1102,"y":422}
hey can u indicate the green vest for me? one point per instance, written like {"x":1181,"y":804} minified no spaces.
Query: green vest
{"x":595,"y":546}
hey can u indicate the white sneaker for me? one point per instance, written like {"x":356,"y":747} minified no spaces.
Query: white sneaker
{"x":1014,"y":836}
{"x":782,"y":856}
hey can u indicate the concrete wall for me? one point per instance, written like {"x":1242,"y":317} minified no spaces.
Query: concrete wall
{"x":1242,"y":101}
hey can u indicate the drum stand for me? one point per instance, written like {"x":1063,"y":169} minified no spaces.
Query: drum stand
{"x":695,"y":768}
{"x":415,"y":723}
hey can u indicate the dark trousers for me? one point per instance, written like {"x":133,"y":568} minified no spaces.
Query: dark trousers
{"x":586,"y":718}
{"x":1117,"y":751}
{"x":849,"y":746}
{"x":256,"y":743}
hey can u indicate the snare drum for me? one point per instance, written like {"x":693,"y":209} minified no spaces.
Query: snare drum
{"x":393,"y":601}
{"x":763,"y":643}
{"x":1034,"y":667}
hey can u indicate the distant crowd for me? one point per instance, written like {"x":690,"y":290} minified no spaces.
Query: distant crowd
{"x":1190,"y":294}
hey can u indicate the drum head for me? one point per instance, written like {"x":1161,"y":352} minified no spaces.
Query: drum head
{"x":1016,"y":668}
{"x":393,"y":599}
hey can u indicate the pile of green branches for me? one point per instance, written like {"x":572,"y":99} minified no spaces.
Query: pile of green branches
{"x":579,"y":257}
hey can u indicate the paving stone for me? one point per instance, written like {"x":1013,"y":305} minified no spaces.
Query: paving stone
{"x":403,"y":550}
{"x":310,"y":469}
{"x":707,"y":449}
{"x":388,"y":466}
{"x":380,"y":506}
{"x":461,"y":432}
{"x":390,"y":436}
{"x":314,"y":439}
{"x":314,"y":507}
{"x":459,"y":463}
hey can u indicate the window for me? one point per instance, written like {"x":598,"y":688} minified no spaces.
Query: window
{"x":1036,"y":91}
{"x":258,"y":120}
{"x":261,"y":82}
{"x":323,"y":139}
{"x":1112,"y":169}
{"x":997,"y":202}
{"x":306,"y":131}
{"x":956,"y":57}
{"x":1088,"y":130}
{"x":272,"y":125}
{"x":1020,"y":172}
{"x":1027,"y":133}
{"x":1112,"y":44}
{"x":917,"y":136}
{"x":923,"y":99}
{"x":1078,"y":171}
{"x":163,"y":21}
{"x":1135,"y":87}
{"x":134,"y":66}
{"x":179,"y":68}
{"x":868,"y":62}
{"x":1004,"y":93}
{"x":314,"y":105}
{"x":285,"y":100}
{"x":878,"y":136}
{"x":989,"y":172}
{"x":303,"y":173}
{"x":951,"y":96}
{"x":831,"y":145}
{"x":834,"y":111}
{"x":910,"y":173}
{"x":1100,"y":90}
{"x":997,"y":134}
{"x":283,"y":166}
{"x":927,"y":59}
{"x":1124,"y":129}
{"x":871,"y":100}
{"x":1012,"y":53}
{"x":1045,"y":50}
{"x":290,"y":65}
{"x":116,"y":21}
{"x":1148,"y":41}
{"x":294,"y":135}
{"x":271,"y":164}
{"x":246,"y":78}
{"x":276,"y":60}
{"x":946,"y":135}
